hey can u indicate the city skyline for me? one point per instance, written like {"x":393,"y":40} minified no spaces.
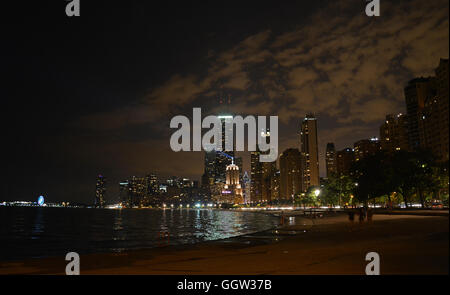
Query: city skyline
{"x":225,"y":146}
{"x":103,"y":108}
{"x":362,"y":147}
{"x":295,"y":171}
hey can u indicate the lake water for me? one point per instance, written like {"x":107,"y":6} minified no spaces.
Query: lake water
{"x":31,"y":232}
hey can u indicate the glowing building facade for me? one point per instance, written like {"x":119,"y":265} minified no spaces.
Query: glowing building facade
{"x":232,"y":190}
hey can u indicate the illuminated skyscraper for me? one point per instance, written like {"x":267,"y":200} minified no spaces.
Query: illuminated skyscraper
{"x":100,"y":191}
{"x":137,"y":189}
{"x":232,"y":192}
{"x":394,"y":133}
{"x":152,"y":183}
{"x":344,"y":161}
{"x":246,"y":187}
{"x":366,"y":147}
{"x":290,"y":174}
{"x":309,"y":152}
{"x":261,"y":175}
{"x":330,"y":159}
{"x":221,"y":160}
{"x":124,"y":196}
{"x":256,"y":177}
{"x":275,"y":186}
{"x":209,"y":176}
{"x":216,"y":162}
{"x":239,"y":163}
{"x":267,"y":185}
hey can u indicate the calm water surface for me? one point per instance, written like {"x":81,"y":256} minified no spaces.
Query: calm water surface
{"x":27,"y":232}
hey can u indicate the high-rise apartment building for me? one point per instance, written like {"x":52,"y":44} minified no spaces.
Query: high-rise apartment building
{"x":275,"y":186}
{"x":442,"y":85}
{"x":366,"y":147}
{"x":310,"y":152}
{"x":394,"y":133}
{"x":344,"y":161}
{"x":290,"y":174}
{"x":261,"y":175}
{"x":124,"y":196}
{"x":433,"y":118}
{"x":246,"y":183}
{"x":100,"y":191}
{"x":138,"y":191}
{"x":267,"y":185}
{"x":427,"y":102}
{"x":256,"y":177}
{"x":416,"y":94}
{"x":330,"y":159}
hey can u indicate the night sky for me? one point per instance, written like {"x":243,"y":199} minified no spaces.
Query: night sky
{"x":95,"y":94}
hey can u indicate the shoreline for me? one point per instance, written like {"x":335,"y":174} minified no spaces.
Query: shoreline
{"x":408,"y":245}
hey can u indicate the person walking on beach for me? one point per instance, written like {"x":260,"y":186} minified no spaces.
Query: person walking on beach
{"x":369,"y":215}
{"x":361,"y":215}
{"x":351,"y":218}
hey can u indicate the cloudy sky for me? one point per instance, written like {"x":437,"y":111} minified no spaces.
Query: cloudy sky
{"x":95,"y":94}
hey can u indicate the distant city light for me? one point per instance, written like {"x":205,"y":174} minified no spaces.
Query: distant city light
{"x":40,"y":201}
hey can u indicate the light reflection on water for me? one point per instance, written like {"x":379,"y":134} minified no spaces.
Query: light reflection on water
{"x":38,"y":232}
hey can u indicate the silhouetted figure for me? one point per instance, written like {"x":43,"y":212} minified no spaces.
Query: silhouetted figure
{"x":369,"y":215}
{"x":361,"y":215}
{"x":351,"y":216}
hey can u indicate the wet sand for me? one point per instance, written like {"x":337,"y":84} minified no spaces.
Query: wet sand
{"x":407,"y":244}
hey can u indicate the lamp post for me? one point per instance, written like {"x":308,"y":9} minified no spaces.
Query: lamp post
{"x":316,"y":193}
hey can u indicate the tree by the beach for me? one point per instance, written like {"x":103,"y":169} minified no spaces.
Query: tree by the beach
{"x":373,"y":176}
{"x":406,"y":173}
{"x":335,"y":189}
{"x":344,"y":187}
{"x":307,"y":199}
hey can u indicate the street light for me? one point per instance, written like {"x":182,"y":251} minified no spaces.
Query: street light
{"x":317,"y":192}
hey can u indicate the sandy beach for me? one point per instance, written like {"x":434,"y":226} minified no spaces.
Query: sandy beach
{"x":407,"y":244}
